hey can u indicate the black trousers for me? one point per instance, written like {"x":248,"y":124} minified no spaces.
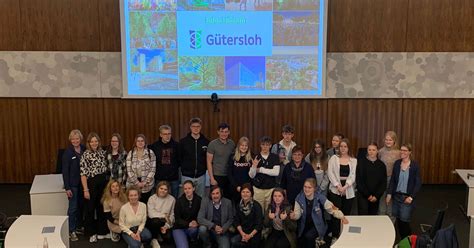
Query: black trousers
{"x":144,"y":196}
{"x":277,"y":239}
{"x":308,"y":239}
{"x":345,"y":205}
{"x":94,"y":208}
{"x":365,"y":207}
{"x":154,"y":225}
{"x":224,"y":183}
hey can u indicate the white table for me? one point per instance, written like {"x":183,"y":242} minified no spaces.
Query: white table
{"x":469,"y":207}
{"x":48,"y":196}
{"x":26,"y":231}
{"x":376,"y":232}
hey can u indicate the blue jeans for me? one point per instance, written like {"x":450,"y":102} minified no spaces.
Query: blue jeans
{"x":181,"y":236}
{"x":400,"y":209}
{"x":199,"y":183}
{"x":207,"y":236}
{"x":145,"y":236}
{"x":74,"y":211}
{"x":175,"y":188}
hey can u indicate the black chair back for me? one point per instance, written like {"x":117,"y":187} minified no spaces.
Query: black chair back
{"x":438,"y":222}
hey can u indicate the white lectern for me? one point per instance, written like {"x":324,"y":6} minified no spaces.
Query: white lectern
{"x":468,"y":177}
{"x":48,"y":196}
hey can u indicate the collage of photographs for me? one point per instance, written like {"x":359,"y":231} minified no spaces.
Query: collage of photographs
{"x":157,"y":65}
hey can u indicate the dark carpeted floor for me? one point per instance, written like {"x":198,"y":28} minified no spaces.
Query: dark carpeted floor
{"x":16,"y":201}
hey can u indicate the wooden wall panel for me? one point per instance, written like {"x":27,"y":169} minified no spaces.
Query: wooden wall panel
{"x":10,"y":32}
{"x":441,"y":132}
{"x":109,"y":21}
{"x":353,"y":25}
{"x":131,"y":117}
{"x":84,"y":19}
{"x":237,"y":113}
{"x":46,"y":25}
{"x":440,"y":25}
{"x":51,"y":120}
{"x":367,"y":25}
{"x":308,"y":117}
{"x":15,"y":163}
{"x":363,"y":120}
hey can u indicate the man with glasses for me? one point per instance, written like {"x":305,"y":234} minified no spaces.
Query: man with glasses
{"x":167,"y":166}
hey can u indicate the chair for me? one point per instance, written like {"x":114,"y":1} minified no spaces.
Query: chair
{"x":5,"y":223}
{"x":432,"y":229}
{"x":446,"y":238}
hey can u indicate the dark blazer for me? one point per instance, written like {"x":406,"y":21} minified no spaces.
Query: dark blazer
{"x":207,"y":210}
{"x":414,"y":179}
{"x":71,"y":167}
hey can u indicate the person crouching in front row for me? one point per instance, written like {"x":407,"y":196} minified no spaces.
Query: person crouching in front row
{"x":308,"y":210}
{"x":215,"y":217}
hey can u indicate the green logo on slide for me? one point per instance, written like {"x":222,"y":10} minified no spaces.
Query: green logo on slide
{"x":195,"y":38}
{"x":200,"y":3}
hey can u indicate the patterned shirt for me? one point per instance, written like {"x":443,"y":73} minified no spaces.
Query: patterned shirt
{"x":388,"y":157}
{"x":118,"y":167}
{"x":141,"y":170}
{"x":93,"y":163}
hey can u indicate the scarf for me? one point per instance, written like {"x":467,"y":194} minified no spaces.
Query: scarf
{"x":246,"y":209}
{"x":296,"y":172}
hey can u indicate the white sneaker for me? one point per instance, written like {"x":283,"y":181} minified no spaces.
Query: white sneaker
{"x":155,"y":244}
{"x":107,"y":236}
{"x":73,"y":236}
{"x":93,"y":238}
{"x":115,"y":237}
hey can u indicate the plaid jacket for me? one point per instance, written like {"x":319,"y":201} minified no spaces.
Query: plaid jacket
{"x":141,"y":170}
{"x":118,"y":167}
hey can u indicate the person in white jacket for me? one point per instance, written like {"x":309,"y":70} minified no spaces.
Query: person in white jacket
{"x":342,"y":178}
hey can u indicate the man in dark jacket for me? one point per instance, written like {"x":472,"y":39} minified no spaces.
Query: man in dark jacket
{"x":192,"y":156}
{"x":167,"y":164}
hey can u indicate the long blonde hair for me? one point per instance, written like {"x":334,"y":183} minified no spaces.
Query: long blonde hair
{"x":107,"y":196}
{"x":394,"y":137}
{"x":238,"y":154}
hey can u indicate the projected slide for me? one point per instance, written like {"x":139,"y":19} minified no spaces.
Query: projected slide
{"x":235,"y":48}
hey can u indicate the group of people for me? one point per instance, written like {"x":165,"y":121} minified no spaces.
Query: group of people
{"x":276,"y":197}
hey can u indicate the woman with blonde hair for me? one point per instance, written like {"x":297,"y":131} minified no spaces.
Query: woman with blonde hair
{"x":308,"y":212}
{"x":239,"y":166}
{"x":132,"y":220}
{"x":160,"y":209}
{"x":72,"y":181}
{"x":113,"y":199}
{"x":141,"y":167}
{"x":388,"y":154}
